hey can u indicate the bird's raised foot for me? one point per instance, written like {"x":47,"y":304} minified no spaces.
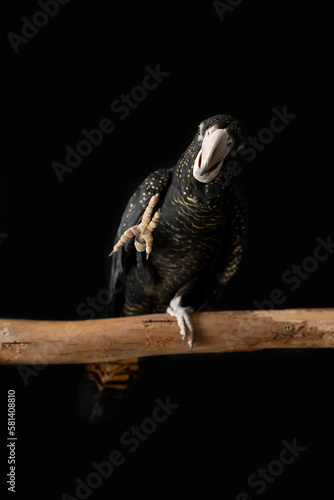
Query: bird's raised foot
{"x":182,"y":314}
{"x":143,"y":231}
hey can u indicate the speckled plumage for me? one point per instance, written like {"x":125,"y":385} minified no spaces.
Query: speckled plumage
{"x":198,"y":242}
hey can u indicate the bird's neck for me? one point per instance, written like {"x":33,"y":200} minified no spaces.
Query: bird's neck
{"x":202,"y":197}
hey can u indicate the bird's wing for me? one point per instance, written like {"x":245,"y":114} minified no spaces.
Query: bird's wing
{"x":156,"y":183}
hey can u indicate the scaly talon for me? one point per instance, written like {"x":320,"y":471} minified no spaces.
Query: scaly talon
{"x":143,"y":231}
{"x":182,"y":314}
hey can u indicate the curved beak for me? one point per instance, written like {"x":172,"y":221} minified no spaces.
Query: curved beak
{"x":215,"y":147}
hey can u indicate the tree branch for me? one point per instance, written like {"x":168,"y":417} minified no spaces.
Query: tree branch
{"x":88,"y":341}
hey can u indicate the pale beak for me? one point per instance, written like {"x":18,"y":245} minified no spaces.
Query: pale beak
{"x":215,"y":147}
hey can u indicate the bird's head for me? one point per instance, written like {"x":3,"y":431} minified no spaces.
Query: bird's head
{"x":218,"y":138}
{"x":204,"y":164}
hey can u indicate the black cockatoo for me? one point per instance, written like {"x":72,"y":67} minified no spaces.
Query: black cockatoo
{"x":180,"y":240}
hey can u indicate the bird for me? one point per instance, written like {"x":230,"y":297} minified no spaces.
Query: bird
{"x":180,"y":240}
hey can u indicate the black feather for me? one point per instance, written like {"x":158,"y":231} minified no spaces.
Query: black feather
{"x":198,"y":242}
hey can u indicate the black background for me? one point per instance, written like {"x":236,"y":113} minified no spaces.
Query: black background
{"x":235,"y":409}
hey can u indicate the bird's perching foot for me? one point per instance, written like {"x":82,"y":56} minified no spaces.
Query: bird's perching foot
{"x":182,"y":314}
{"x":143,"y":231}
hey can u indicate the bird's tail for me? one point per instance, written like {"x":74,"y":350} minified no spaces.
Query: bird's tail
{"x":105,"y":387}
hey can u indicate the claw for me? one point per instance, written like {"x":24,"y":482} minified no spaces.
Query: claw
{"x":182,"y":314}
{"x":143,"y":231}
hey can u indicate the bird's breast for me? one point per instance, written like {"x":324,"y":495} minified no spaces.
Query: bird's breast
{"x":183,"y":219}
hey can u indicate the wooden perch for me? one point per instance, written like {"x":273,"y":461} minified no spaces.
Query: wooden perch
{"x":87,"y":341}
